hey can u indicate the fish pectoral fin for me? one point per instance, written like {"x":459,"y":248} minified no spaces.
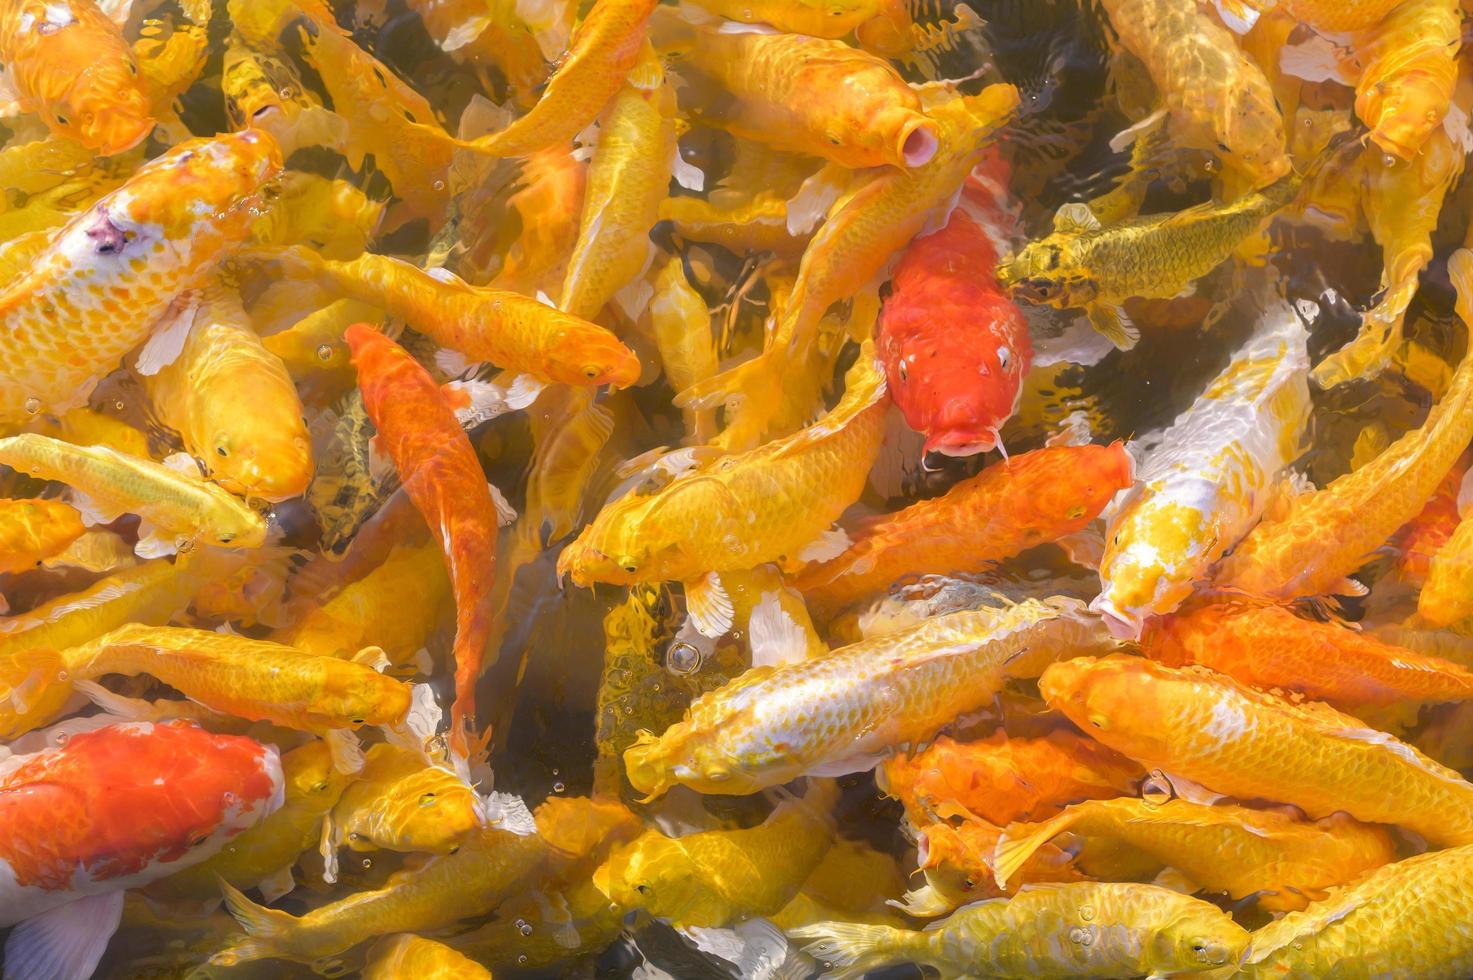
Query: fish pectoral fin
{"x":1175,"y":880}
{"x":1123,"y":139}
{"x":92,"y":512}
{"x":861,"y":762}
{"x":709,"y":606}
{"x":1085,"y":547}
{"x":183,"y":464}
{"x":775,"y":638}
{"x":1075,"y":218}
{"x":170,"y":332}
{"x":275,"y":885}
{"x":506,"y":514}
{"x":1113,"y":325}
{"x":374,"y":657}
{"x":347,"y":753}
{"x":1349,"y":586}
{"x":152,"y":544}
{"x":64,"y":943}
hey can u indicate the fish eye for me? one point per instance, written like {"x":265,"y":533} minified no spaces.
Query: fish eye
{"x":903,"y":371}
{"x":591,"y":371}
{"x":427,"y":799}
{"x":356,"y":721}
{"x":628,"y":564}
{"x":1004,"y":357}
{"x":1050,"y":259}
{"x":63,"y":120}
{"x":319,"y":786}
{"x":221,"y":451}
{"x":643,"y":889}
{"x":226,"y":538}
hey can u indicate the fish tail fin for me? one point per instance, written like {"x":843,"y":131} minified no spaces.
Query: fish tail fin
{"x":849,"y":949}
{"x":1020,"y":841}
{"x":34,"y":685}
{"x":268,"y":931}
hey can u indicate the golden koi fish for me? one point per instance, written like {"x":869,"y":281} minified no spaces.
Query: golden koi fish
{"x":408,"y":955}
{"x":32,"y":530}
{"x":401,"y":803}
{"x":1409,"y":70}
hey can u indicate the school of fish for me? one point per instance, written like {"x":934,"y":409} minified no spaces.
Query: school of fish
{"x":756,"y":489}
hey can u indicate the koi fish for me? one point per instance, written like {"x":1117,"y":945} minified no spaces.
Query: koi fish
{"x":719,"y":877}
{"x":444,"y":479}
{"x":176,"y":507}
{"x":117,"y":268}
{"x":603,"y":50}
{"x":69,"y":63}
{"x":508,"y":329}
{"x":549,"y":202}
{"x":955,"y":347}
{"x":112,"y":809}
{"x":739,"y":511}
{"x":1005,"y":509}
{"x":1284,"y":861}
{"x":803,"y":94}
{"x":331,"y":216}
{"x":408,"y":955}
{"x":845,"y":712}
{"x":264,"y":453}
{"x":1270,"y":648}
{"x":1081,"y":929}
{"x":815,"y":18}
{"x":1398,"y":920}
{"x":1232,"y":739}
{"x":263,"y":856}
{"x":566,"y":922}
{"x":1409,"y":70}
{"x":1424,"y":535}
{"x":1324,"y":535}
{"x":956,"y":860}
{"x":401,"y":804}
{"x":1209,"y":476}
{"x":33,"y":530}
{"x":264,"y":91}
{"x":1085,"y":264}
{"x":681,"y":323}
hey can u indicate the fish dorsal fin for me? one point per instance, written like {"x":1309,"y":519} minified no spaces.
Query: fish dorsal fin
{"x":1075,"y":218}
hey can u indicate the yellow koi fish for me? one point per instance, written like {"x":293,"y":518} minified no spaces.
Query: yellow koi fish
{"x":549,"y":202}
{"x":1210,"y":477}
{"x":176,"y":507}
{"x":815,"y":18}
{"x":266,"y":92}
{"x":846,"y":711}
{"x":1409,"y":70}
{"x":738,"y":511}
{"x":1078,"y":929}
{"x":408,"y":955}
{"x":331,"y":216}
{"x":33,"y":530}
{"x":263,"y":453}
{"x":114,"y":270}
{"x":400,"y":803}
{"x":1324,"y":535}
{"x":681,"y":323}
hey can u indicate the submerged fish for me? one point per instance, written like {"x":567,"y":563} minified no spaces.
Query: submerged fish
{"x":33,"y":530}
{"x":401,"y":803}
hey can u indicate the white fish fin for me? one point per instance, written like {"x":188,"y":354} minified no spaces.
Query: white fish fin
{"x":1074,"y":430}
{"x":116,"y":11}
{"x":482,"y":117}
{"x":775,"y":638}
{"x":455,"y":364}
{"x":10,"y":100}
{"x":423,"y":719}
{"x":1238,"y":18}
{"x":152,"y":544}
{"x":129,"y":709}
{"x":506,"y":514}
{"x":92,"y":512}
{"x":507,"y":812}
{"x":372,"y":657}
{"x":814,"y":198}
{"x":1174,"y":880}
{"x":545,"y":299}
{"x":648,"y":74}
{"x":1074,"y":218}
{"x":827,"y":546}
{"x":523,"y":391}
{"x":64,"y":943}
{"x":1085,"y":547}
{"x":555,"y":913}
{"x":423,"y":662}
{"x":724,"y":944}
{"x":709,"y":606}
{"x":1114,"y":325}
{"x":687,"y":174}
{"x":347,"y":753}
{"x":327,"y":846}
{"x":1314,"y":59}
{"x":278,"y":883}
{"x":183,"y":464}
{"x":923,"y":903}
{"x":1078,"y":343}
{"x":1465,"y":494}
{"x":166,"y":343}
{"x":544,"y":17}
{"x":464,"y":33}
{"x":900,"y":455}
{"x":1121,"y":141}
{"x":634,"y":296}
{"x":1455,"y":124}
{"x":739,"y":27}
{"x":863,"y":762}
{"x":487,"y":402}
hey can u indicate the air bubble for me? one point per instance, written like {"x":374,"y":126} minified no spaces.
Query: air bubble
{"x":558,"y":787}
{"x":439,"y":185}
{"x":62,"y":676}
{"x":367,"y":863}
{"x":524,"y":927}
{"x":1086,"y":912}
{"x":324,"y":352}
{"x":522,"y":959}
{"x":33,"y":406}
{"x":683,"y":658}
{"x":1157,"y":789}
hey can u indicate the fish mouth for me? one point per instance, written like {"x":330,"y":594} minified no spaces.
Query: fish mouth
{"x":1122,"y":624}
{"x":960,"y":445}
{"x":918,"y":143}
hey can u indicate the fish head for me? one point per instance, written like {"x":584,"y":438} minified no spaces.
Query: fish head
{"x":950,"y":867}
{"x":1153,"y":556}
{"x":609,"y":551}
{"x":1115,"y":700}
{"x":1044,"y":273}
{"x":357,"y":694}
{"x":200,"y":184}
{"x":706,"y":765}
{"x":1400,"y":116}
{"x":259,"y":455}
{"x":1198,"y":937}
{"x":589,"y":356}
{"x":104,"y":108}
{"x":247,"y":532}
{"x":311,"y":778}
{"x":430,"y":811}
{"x":659,"y":875}
{"x":1251,"y":140}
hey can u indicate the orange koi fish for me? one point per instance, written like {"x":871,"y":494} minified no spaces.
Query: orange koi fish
{"x":1007,"y":508}
{"x":31,"y":530}
{"x":1410,"y":68}
{"x":441,"y":474}
{"x":114,"y":270}
{"x":1424,"y":535}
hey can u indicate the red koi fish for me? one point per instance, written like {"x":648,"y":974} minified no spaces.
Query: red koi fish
{"x":955,"y":347}
{"x":113,"y":809}
{"x":440,"y":473}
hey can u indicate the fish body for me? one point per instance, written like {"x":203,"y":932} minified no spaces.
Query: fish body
{"x":1005,"y":509}
{"x":741,"y":510}
{"x":602,"y":50}
{"x":264,"y":90}
{"x":70,"y":63}
{"x":263,"y":453}
{"x":1082,"y":929}
{"x":1326,"y":534}
{"x":1424,"y":535}
{"x":815,"y":18}
{"x":443,"y":477}
{"x":681,"y":323}
{"x":549,"y":201}
{"x":508,"y":329}
{"x":1409,"y":70}
{"x":108,"y":484}
{"x":33,"y":530}
{"x":1447,"y":596}
{"x":1002,"y":779}
{"x":1157,"y":256}
{"x":955,"y":347}
{"x":628,"y":177}
{"x":1232,"y":739}
{"x":1210,"y":476}
{"x":332,"y":216}
{"x":408,"y":955}
{"x":264,"y":855}
{"x":115,"y":808}
{"x":845,"y":711}
{"x":958,"y":864}
{"x":567,"y":922}
{"x":1217,"y":99}
{"x":719,"y":877}
{"x":1268,"y":647}
{"x":1285,"y":861}
{"x":109,"y":275}
{"x":401,"y":803}
{"x":814,"y":96}
{"x":1403,"y":919}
